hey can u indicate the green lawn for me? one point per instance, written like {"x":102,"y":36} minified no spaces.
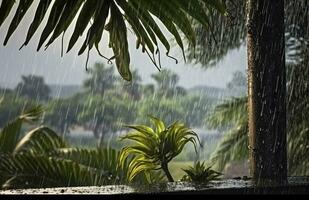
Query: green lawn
{"x":175,"y":168}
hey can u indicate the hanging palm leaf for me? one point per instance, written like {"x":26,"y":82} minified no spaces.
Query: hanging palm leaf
{"x":141,"y":15}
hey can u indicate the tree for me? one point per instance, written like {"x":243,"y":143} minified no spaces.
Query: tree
{"x":101,"y":79}
{"x":296,"y":26}
{"x":139,"y":14}
{"x":106,"y":114}
{"x":228,"y":33}
{"x":148,"y":90}
{"x":166,"y":108}
{"x":33,"y":87}
{"x":166,"y":81}
{"x":62,"y":114}
{"x":11,"y":106}
{"x":133,"y":88}
{"x":239,"y":80}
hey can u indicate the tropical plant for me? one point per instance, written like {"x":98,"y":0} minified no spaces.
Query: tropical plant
{"x":230,"y":117}
{"x":200,"y":173}
{"x":41,"y":158}
{"x":296,"y":37}
{"x":112,"y":15}
{"x":11,"y":133}
{"x":155,"y":148}
{"x":230,"y":31}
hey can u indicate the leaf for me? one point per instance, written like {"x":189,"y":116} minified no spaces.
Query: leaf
{"x":69,"y":12}
{"x":38,"y":17}
{"x":174,"y":14}
{"x":41,"y":140}
{"x":83,"y":20}
{"x":23,"y":6}
{"x":9,"y":136}
{"x":119,"y":43}
{"x":28,"y":171}
{"x":12,"y":131}
{"x":54,"y":16}
{"x":5,"y":9}
{"x":95,"y":32}
{"x":155,"y":149}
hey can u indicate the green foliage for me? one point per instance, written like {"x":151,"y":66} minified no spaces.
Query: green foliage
{"x":101,"y":79}
{"x":228,"y":113}
{"x":169,"y":109}
{"x":112,"y":15}
{"x":11,"y":106}
{"x":41,"y":140}
{"x":234,"y":144}
{"x":62,"y":114}
{"x":155,"y":148}
{"x":232,"y":147}
{"x":30,"y":171}
{"x":199,"y":173}
{"x":166,"y":82}
{"x":11,"y":133}
{"x":106,"y":114}
{"x":33,"y":87}
{"x":41,"y":158}
{"x":230,"y":32}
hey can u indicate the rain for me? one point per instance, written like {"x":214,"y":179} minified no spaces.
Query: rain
{"x":131,"y":104}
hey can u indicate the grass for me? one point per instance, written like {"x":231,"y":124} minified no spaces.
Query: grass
{"x":176,"y":167}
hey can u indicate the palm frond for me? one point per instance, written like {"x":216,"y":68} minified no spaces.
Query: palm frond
{"x":228,"y":113}
{"x":41,"y":140}
{"x":29,"y":170}
{"x":139,"y":14}
{"x":233,"y":147}
{"x":106,"y":159}
{"x":298,"y":150}
{"x":11,"y":133}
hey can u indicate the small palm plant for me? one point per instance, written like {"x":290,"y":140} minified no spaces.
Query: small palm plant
{"x":200,"y":173}
{"x":153,"y":149}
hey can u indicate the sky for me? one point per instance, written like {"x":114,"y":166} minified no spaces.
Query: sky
{"x":70,"y":69}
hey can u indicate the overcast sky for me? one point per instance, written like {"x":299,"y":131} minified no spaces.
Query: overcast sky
{"x":70,"y":69}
